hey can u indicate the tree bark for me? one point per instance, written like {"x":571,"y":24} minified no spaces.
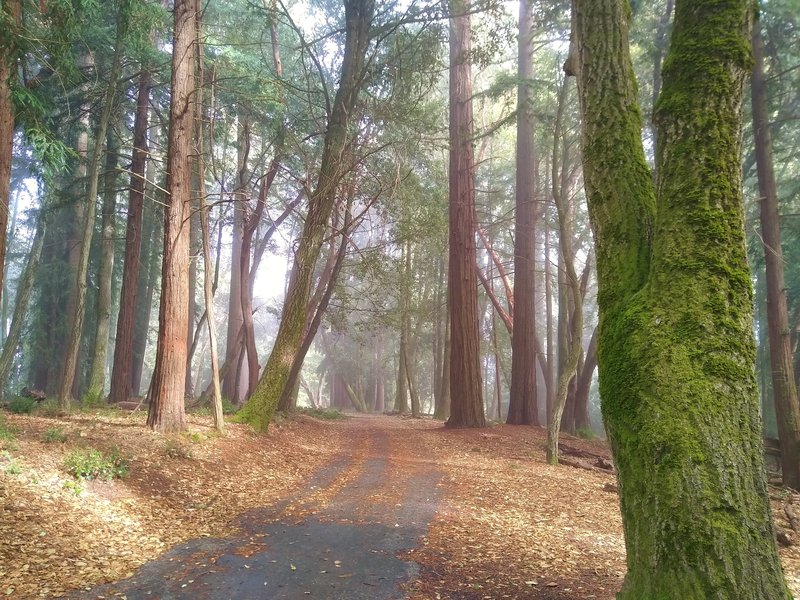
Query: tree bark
{"x":166,"y":412}
{"x":121,"y":375}
{"x":523,"y":408}
{"x":466,"y":408}
{"x":675,"y":344}
{"x":784,"y":389}
{"x":105,"y":272}
{"x":93,"y":173}
{"x":24,"y":289}
{"x":259,"y":409}
{"x":12,"y":18}
{"x":235,"y":315}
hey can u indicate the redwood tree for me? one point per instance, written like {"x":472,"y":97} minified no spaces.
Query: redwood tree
{"x":784,"y":388}
{"x":522,"y":406}
{"x":167,"y":390}
{"x":466,"y":389}
{"x":121,"y":372}
{"x":675,"y":343}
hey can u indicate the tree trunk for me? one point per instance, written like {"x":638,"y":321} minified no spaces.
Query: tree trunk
{"x":523,"y":408}
{"x":235,"y":315}
{"x":675,"y":345}
{"x":24,"y":289}
{"x":327,"y":283}
{"x":105,"y":273}
{"x":11,"y":11}
{"x":144,"y":296}
{"x":259,"y":409}
{"x":442,"y":410}
{"x":582,"y":417}
{"x":787,"y":406}
{"x":121,"y":375}
{"x":466,"y":409}
{"x":166,"y":412}
{"x":93,"y":173}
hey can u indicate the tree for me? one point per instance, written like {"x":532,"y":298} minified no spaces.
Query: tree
{"x":523,"y":408}
{"x":10,"y":20}
{"x":93,"y":173}
{"x":675,"y":340}
{"x":121,"y":372}
{"x":784,"y":388}
{"x":260,"y":407}
{"x":466,"y":389}
{"x":169,"y":375}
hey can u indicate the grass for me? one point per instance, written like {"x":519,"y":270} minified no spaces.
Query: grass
{"x":54,"y":435}
{"x":326,"y":414}
{"x":90,"y":464}
{"x":8,"y":437}
{"x":22,"y":405}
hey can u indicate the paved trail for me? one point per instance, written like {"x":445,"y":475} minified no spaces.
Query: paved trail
{"x":339,"y":538}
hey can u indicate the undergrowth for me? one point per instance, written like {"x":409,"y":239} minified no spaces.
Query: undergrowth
{"x":94,"y":464}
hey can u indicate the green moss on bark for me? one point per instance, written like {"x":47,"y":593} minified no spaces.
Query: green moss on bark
{"x":676,"y":350}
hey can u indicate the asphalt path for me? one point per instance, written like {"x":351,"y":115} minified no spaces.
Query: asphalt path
{"x":341,"y":537}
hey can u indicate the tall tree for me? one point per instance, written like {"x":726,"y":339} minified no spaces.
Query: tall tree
{"x":169,"y":374}
{"x":93,"y":173}
{"x":675,"y":341}
{"x":121,"y":372}
{"x":784,"y":388}
{"x":10,"y":19}
{"x":523,"y":408}
{"x":259,"y":409}
{"x":466,"y":389}
{"x":105,"y":271}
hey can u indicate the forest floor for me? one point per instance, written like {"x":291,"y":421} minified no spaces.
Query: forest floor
{"x":351,"y":508}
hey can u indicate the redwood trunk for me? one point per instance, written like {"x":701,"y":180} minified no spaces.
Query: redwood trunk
{"x":523,"y":408}
{"x":121,"y":375}
{"x":167,"y":400}
{"x":466,"y":409}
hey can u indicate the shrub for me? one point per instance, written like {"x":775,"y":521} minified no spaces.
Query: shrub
{"x":328,"y":414}
{"x":53,"y":435}
{"x":49,"y":408}
{"x":93,"y":399}
{"x":585,"y":433}
{"x":22,"y":405}
{"x":93,"y":464}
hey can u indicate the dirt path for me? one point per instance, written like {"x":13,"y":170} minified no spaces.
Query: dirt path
{"x":340,"y":538}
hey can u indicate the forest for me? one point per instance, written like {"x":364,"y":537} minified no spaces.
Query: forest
{"x":420,"y":299}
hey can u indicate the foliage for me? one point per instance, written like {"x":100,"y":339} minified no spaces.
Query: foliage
{"x":8,"y":436}
{"x":54,"y":435}
{"x":93,"y":399}
{"x":22,"y":405}
{"x":585,"y":433}
{"x":91,"y":464}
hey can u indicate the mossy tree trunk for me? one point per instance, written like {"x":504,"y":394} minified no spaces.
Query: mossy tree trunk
{"x":784,"y":389}
{"x":262,"y":403}
{"x":675,"y":344}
